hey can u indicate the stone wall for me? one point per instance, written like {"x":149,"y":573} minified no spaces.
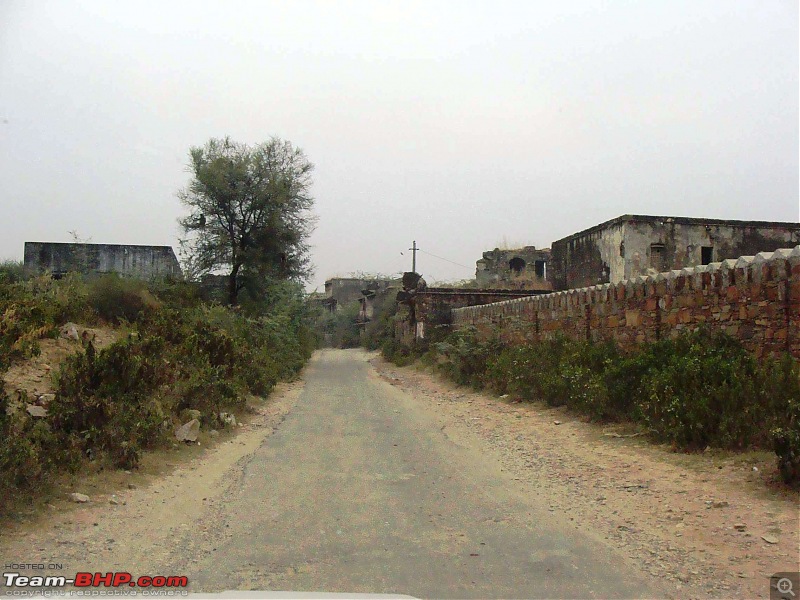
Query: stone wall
{"x":434,"y":306}
{"x":755,"y":299}
{"x":633,"y":245}
{"x":141,"y":262}
{"x":520,"y":268}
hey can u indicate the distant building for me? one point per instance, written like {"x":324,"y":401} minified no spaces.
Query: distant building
{"x":140,"y":262}
{"x":520,"y":268}
{"x":340,"y":291}
{"x":633,"y":245}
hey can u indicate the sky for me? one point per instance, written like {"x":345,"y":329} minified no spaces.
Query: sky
{"x":462,"y":125}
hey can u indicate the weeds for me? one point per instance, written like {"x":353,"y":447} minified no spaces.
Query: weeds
{"x":698,"y":390}
{"x":113,"y":404}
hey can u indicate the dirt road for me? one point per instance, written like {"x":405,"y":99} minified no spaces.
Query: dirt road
{"x":365,"y":479}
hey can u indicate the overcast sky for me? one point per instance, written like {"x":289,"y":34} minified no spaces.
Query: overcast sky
{"x":463,"y":125}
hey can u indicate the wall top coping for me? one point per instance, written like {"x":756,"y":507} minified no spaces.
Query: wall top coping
{"x":89,"y":245}
{"x":663,"y":220}
{"x":792,"y":254}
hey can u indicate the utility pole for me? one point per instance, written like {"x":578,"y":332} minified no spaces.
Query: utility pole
{"x":414,"y":256}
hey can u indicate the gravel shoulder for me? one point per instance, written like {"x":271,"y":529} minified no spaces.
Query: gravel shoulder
{"x":709,"y":525}
{"x":133,"y":519}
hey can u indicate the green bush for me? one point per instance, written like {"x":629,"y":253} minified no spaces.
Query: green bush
{"x":397,"y":352}
{"x":105,"y":403}
{"x":465,"y":357}
{"x":783,"y":388}
{"x":700,"y":389}
{"x":341,"y":328}
{"x":33,"y":309}
{"x":26,"y":451}
{"x":180,"y":354}
{"x":116,"y":299}
{"x":12,"y":271}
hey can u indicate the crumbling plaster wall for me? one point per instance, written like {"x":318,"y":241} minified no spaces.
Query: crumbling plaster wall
{"x":142,"y":262}
{"x":632,"y":245}
{"x":683,"y":243}
{"x":588,"y":258}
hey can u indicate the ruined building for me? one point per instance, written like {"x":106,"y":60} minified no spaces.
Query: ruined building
{"x":140,"y":262}
{"x":421,"y":307}
{"x":521,"y":268}
{"x":340,"y":291}
{"x":634,"y":245}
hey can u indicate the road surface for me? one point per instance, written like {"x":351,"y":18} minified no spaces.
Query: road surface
{"x":359,"y":490}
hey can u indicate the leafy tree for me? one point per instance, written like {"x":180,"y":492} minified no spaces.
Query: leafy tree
{"x":248,"y":214}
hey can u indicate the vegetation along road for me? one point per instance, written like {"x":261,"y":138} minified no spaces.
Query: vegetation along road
{"x":364,"y":477}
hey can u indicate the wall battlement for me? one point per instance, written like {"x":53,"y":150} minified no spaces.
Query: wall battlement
{"x":755,"y":299}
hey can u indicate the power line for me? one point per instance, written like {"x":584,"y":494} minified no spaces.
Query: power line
{"x":452,"y":262}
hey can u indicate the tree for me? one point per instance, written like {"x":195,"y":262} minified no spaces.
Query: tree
{"x":248,"y":214}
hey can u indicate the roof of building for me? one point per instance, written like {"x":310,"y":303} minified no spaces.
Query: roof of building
{"x":681,"y":221}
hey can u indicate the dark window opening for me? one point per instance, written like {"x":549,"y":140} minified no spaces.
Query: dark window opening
{"x":657,"y":257}
{"x":707,"y":255}
{"x":540,"y":268}
{"x":517,"y":265}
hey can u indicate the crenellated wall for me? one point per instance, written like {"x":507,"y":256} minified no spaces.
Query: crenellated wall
{"x":753,"y":298}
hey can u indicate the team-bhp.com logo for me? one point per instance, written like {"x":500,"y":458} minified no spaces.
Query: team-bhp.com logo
{"x":95,"y":580}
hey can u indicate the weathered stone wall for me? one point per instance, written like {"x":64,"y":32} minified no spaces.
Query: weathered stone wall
{"x":141,"y":262}
{"x":520,"y":268}
{"x":433,"y":306}
{"x":346,"y":290}
{"x":754,"y":298}
{"x":439,"y":301}
{"x":633,"y":245}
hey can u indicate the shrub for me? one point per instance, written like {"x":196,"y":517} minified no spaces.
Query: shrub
{"x":465,"y":357}
{"x":32,"y":309}
{"x":783,"y":388}
{"x":26,"y":450}
{"x":700,"y":389}
{"x":116,"y":299}
{"x":18,"y":337}
{"x":708,"y":391}
{"x":105,"y":403}
{"x":11,"y":271}
{"x":113,"y":404}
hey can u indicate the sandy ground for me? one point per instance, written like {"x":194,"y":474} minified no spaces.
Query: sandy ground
{"x":706,"y":521}
{"x":35,"y":376}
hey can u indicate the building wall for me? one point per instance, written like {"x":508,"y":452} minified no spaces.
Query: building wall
{"x":515,"y":268}
{"x":632,"y":245}
{"x":346,"y":290}
{"x":142,"y":262}
{"x":587,"y":258}
{"x":754,"y":299}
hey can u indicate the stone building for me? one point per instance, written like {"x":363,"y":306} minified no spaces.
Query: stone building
{"x":520,"y":268}
{"x":340,"y":291}
{"x":140,"y":262}
{"x":633,"y":245}
{"x":421,"y":307}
